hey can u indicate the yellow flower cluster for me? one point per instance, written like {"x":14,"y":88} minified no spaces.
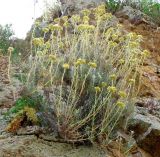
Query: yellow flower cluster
{"x":109,"y":31}
{"x":145,"y":53}
{"x":121,"y":39}
{"x":97,"y":89}
{"x":100,"y":10}
{"x":80,"y":61}
{"x":92,"y":64}
{"x":86,"y":12}
{"x":134,"y":37}
{"x":65,"y":18}
{"x":31,"y":114}
{"x":121,"y":104}
{"x":55,"y":27}
{"x":66,"y":66}
{"x":131,"y":81}
{"x":52,"y":57}
{"x":40,"y":53}
{"x":45,"y":30}
{"x":10,"y":49}
{"x":106,"y":16}
{"x":85,"y":27}
{"x":121,"y":61}
{"x":112,"y":44}
{"x":57,"y":20}
{"x":104,"y":84}
{"x":66,"y":24}
{"x":122,"y":94}
{"x":133,"y":45}
{"x":38,"y":41}
{"x":75,"y":18}
{"x":114,"y":37}
{"x":112,"y":89}
{"x":112,"y":77}
{"x":85,"y":19}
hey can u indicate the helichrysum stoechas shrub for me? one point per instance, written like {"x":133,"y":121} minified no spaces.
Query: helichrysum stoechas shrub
{"x":92,"y":71}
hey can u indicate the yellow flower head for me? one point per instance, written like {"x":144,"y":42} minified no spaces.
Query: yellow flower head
{"x":77,"y":63}
{"x":106,"y":16}
{"x":75,"y":18}
{"x":109,"y":31}
{"x":145,"y":53}
{"x":103,"y":84}
{"x":80,"y":61}
{"x":66,"y":24}
{"x":121,"y":39}
{"x":55,"y":27}
{"x":113,"y":77}
{"x":38,"y":41}
{"x":65,"y":18}
{"x":40,"y":53}
{"x":112,"y":89}
{"x":86,"y":12}
{"x":121,"y":104}
{"x":66,"y":66}
{"x":133,"y":45}
{"x":45,"y":30}
{"x":121,"y":61}
{"x":122,"y":94}
{"x":57,"y":20}
{"x":31,"y":114}
{"x":97,"y":89}
{"x":86,"y":19}
{"x":92,"y":64}
{"x":85,"y":27}
{"x":112,"y":44}
{"x":119,"y":26}
{"x":114,"y":37}
{"x":52,"y":57}
{"x":131,"y":81}
{"x":10,"y":49}
{"x":139,"y":37}
{"x":100,"y":10}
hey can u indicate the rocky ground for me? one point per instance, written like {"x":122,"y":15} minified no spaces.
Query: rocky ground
{"x":145,"y":123}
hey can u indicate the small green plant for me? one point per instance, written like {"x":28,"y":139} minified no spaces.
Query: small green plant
{"x":25,"y":107}
{"x":113,"y":5}
{"x":32,"y":101}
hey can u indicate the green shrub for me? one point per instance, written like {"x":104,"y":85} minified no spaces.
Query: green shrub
{"x":5,"y":37}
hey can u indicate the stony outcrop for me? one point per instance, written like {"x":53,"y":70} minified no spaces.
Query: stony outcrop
{"x":70,"y":7}
{"x":146,"y":130}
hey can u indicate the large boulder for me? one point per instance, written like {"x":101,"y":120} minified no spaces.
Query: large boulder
{"x":146,"y":127}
